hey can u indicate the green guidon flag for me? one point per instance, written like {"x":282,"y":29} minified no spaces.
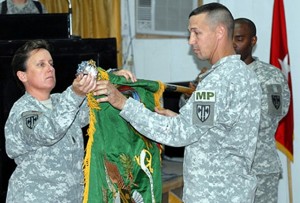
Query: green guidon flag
{"x":120,"y":164}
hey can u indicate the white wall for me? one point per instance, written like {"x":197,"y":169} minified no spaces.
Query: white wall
{"x":170,"y":60}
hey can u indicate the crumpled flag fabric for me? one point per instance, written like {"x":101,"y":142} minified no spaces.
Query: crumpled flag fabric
{"x":120,"y":164}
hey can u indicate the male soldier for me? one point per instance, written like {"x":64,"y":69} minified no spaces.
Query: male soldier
{"x":274,"y":106}
{"x":218,"y":125}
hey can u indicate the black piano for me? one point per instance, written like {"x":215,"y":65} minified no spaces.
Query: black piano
{"x":67,"y":52}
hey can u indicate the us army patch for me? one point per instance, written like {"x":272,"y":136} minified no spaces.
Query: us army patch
{"x":204,"y":107}
{"x":274,"y":96}
{"x":29,"y":120}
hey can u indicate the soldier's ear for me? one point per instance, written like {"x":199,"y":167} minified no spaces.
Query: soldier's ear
{"x":220,"y":30}
{"x":22,"y":76}
{"x":253,"y":41}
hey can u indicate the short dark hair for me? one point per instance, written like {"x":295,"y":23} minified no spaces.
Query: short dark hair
{"x":249,"y":23}
{"x":217,"y":13}
{"x":22,"y":54}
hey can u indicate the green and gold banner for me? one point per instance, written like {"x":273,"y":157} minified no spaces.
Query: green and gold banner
{"x":122,"y":165}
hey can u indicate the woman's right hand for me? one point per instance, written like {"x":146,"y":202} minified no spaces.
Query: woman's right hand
{"x":83,"y":84}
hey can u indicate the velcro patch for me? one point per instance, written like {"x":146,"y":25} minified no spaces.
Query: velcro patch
{"x":29,"y":120}
{"x":274,"y":96}
{"x":205,"y":96}
{"x":203,"y":113}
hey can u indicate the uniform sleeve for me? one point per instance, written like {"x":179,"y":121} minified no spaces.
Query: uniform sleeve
{"x":172,"y":131}
{"x":231,"y":99}
{"x":286,"y":96}
{"x":277,"y":95}
{"x":31,"y":128}
{"x":44,"y":8}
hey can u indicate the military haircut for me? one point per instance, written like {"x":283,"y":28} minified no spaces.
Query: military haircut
{"x":249,"y":23}
{"x":216,"y":14}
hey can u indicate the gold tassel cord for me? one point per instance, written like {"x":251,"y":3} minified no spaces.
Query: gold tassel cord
{"x":87,"y":159}
{"x":94,"y":106}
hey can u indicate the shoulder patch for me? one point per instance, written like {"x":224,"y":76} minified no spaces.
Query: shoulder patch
{"x":205,"y":96}
{"x":274,"y":95}
{"x":203,"y":113}
{"x":29,"y":119}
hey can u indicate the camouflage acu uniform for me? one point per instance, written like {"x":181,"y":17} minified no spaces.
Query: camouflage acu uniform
{"x":47,"y":146}
{"x":274,"y":106}
{"x":218,"y":126}
{"x":29,"y":7}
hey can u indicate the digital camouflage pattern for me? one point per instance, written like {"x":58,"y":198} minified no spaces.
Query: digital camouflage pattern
{"x":274,"y":106}
{"x":47,"y":146}
{"x":267,"y":190}
{"x":219,"y":151}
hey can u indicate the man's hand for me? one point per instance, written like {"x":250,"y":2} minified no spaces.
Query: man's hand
{"x":127,"y":74}
{"x":113,"y":95}
{"x":83,"y":84}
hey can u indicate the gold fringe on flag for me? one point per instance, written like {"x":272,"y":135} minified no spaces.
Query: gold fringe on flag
{"x":93,"y":104}
{"x":158,"y":94}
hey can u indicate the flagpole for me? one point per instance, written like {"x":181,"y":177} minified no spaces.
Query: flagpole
{"x":178,"y":88}
{"x":290,"y":185}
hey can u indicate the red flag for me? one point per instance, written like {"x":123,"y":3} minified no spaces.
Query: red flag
{"x":279,"y":57}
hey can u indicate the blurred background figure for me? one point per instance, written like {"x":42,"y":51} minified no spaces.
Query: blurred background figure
{"x":22,"y":7}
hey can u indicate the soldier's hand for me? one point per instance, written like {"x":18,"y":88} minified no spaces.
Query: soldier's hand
{"x":127,"y":74}
{"x":83,"y":84}
{"x":111,"y":94}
